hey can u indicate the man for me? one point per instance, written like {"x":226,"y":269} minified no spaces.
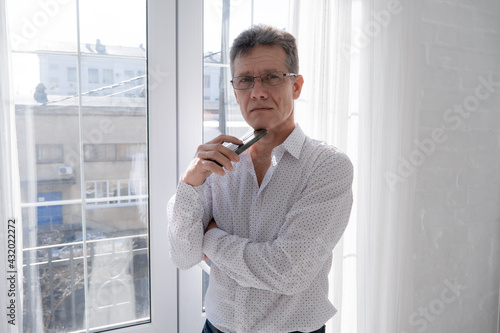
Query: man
{"x":268,"y":219}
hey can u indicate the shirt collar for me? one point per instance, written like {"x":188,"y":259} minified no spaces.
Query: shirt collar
{"x":293,"y":144}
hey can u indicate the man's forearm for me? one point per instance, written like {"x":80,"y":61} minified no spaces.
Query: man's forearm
{"x":185,"y":227}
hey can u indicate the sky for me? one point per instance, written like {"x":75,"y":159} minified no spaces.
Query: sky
{"x":114,"y":22}
{"x":33,"y":23}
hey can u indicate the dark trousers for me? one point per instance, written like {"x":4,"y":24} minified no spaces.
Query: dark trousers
{"x":209,"y":328}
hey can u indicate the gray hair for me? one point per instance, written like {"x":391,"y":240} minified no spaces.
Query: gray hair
{"x":269,"y":36}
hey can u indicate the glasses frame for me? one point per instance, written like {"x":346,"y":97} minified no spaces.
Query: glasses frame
{"x":261,"y":80}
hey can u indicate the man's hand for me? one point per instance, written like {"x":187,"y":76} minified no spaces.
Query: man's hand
{"x":210,"y":226}
{"x":207,"y":157}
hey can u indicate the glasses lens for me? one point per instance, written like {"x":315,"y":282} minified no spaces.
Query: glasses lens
{"x":273,"y":78}
{"x":243,"y":82}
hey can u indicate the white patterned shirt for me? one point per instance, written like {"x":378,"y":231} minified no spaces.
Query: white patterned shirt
{"x":272,"y":250}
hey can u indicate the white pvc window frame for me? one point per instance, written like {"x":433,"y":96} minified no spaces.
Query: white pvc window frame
{"x":175,"y":95}
{"x":190,"y":136}
{"x":162,"y":107}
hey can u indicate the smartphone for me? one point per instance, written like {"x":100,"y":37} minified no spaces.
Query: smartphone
{"x":248,"y":140}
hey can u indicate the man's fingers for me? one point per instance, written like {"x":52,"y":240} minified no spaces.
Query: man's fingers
{"x":213,"y":166}
{"x":218,"y":154}
{"x":225,"y":138}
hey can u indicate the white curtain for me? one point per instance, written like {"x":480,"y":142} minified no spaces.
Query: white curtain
{"x":360,"y":94}
{"x":389,"y":96}
{"x":10,"y":301}
{"x":322,"y":29}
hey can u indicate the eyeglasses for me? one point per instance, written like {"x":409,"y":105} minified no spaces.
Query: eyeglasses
{"x":268,"y":79}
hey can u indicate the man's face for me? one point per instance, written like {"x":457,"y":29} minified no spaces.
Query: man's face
{"x":270,"y":108}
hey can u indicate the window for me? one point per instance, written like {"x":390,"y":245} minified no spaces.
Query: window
{"x":93,"y":75}
{"x":71,"y":74}
{"x":85,"y":227}
{"x":131,"y":151}
{"x":49,"y":154}
{"x":114,"y":152}
{"x":116,"y":192}
{"x":107,"y":76}
{"x":100,"y":153}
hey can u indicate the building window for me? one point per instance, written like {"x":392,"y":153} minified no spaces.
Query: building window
{"x":115,"y":192}
{"x":71,"y":74}
{"x":131,"y":151}
{"x":115,"y":152}
{"x":107,"y":76}
{"x":100,"y":153}
{"x":49,"y":154}
{"x":93,"y":75}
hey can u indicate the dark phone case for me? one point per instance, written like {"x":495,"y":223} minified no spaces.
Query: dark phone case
{"x":248,"y":140}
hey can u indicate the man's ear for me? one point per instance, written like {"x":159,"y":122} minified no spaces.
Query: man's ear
{"x":298,"y":82}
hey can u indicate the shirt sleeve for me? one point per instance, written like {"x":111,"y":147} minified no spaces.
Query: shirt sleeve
{"x":312,"y":228}
{"x":188,"y":213}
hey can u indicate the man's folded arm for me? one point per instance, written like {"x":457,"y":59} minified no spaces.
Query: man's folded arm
{"x":312,"y":228}
{"x":188,"y":215}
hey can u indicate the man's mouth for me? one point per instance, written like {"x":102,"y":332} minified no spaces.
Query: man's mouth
{"x":261,"y":108}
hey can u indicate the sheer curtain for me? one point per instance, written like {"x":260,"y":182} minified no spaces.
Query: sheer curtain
{"x":323,"y":113}
{"x":360,"y":94}
{"x":389,"y":96}
{"x":9,"y":194}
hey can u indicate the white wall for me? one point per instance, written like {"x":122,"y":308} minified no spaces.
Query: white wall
{"x":457,"y":216}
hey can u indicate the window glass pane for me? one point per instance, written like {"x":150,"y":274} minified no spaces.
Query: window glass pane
{"x":47,"y":126}
{"x":50,"y":154}
{"x":101,"y":20}
{"x":51,"y":225}
{"x":54,"y":282}
{"x":82,"y":145}
{"x":42,"y":26}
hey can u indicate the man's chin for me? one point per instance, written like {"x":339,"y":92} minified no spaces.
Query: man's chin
{"x":256,"y":125}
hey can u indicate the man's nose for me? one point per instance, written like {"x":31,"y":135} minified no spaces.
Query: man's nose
{"x":259,"y":90}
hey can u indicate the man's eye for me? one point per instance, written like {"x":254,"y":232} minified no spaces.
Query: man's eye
{"x":245,"y":79}
{"x":271,"y":77}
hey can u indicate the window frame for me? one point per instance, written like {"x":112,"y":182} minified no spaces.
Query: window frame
{"x":190,"y":136}
{"x":162,"y":127}
{"x":175,"y":116}
{"x":162,"y":106}
{"x":163,"y":174}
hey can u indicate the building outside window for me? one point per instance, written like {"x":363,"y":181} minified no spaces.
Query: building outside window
{"x":93,"y":75}
{"x":71,"y":74}
{"x":49,"y":154}
{"x":84,"y":192}
{"x":107,"y":76}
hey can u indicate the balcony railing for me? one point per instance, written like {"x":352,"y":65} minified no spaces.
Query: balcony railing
{"x":114,"y":294}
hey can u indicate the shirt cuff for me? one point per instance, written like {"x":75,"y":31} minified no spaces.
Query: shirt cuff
{"x":211,"y":241}
{"x":187,"y":193}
